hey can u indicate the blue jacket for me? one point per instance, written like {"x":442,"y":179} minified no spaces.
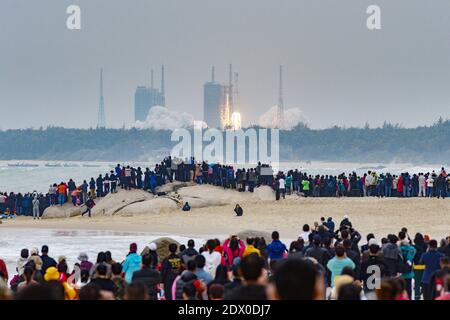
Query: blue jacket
{"x":431,"y":260}
{"x":276,"y":250}
{"x":131,"y":264}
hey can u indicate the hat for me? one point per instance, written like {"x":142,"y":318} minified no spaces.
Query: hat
{"x":346,"y":216}
{"x":83,"y":257}
{"x":153,"y":246}
{"x":51,"y":274}
{"x":61,"y":259}
{"x":373,"y":241}
{"x":133,"y":247}
{"x":34,"y":251}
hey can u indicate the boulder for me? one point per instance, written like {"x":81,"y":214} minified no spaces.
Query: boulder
{"x":66,"y":211}
{"x":173,"y":186}
{"x":152,"y":206}
{"x":115,"y":202}
{"x":253,"y":234}
{"x":162,"y":247}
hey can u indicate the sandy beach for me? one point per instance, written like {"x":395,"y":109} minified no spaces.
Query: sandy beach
{"x":380,"y":216}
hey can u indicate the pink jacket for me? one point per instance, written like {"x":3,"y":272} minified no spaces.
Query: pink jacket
{"x":228,"y":261}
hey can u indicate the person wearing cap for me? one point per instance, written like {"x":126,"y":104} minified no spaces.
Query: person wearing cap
{"x":85,"y":264}
{"x":47,"y":261}
{"x":132,"y":263}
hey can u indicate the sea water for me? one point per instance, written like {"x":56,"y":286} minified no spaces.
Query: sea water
{"x":29,"y":179}
{"x":70,"y":243}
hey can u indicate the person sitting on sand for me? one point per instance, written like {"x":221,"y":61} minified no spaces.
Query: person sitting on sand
{"x":239,"y":211}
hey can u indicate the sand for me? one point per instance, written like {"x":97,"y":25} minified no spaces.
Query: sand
{"x":380,"y":216}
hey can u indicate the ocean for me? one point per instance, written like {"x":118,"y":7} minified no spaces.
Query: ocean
{"x":39,"y":178}
{"x":70,"y":243}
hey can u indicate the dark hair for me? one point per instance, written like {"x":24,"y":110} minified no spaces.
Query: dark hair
{"x":108,"y":256}
{"x":216,"y":291}
{"x":221,"y":274}
{"x":136,"y":291}
{"x":191,"y":243}
{"x":349,"y":271}
{"x":190,"y":290}
{"x":90,"y":292}
{"x":52,"y":290}
{"x":28,"y":273}
{"x":191,"y":265}
{"x":402,"y":235}
{"x":101,"y":269}
{"x":24,"y":253}
{"x":116,"y":269}
{"x":349,"y":291}
{"x":211,"y":245}
{"x":339,"y":250}
{"x":173,"y":247}
{"x":101,"y":257}
{"x":250,"y":241}
{"x":306,"y":227}
{"x":370,"y":236}
{"x":275,"y":235}
{"x":147,"y":260}
{"x":433,"y":244}
{"x":251,"y":267}
{"x":200,"y":261}
{"x":295,"y":279}
{"x":44,"y":249}
{"x":234,"y":244}
{"x":182,"y":247}
{"x":347,"y":243}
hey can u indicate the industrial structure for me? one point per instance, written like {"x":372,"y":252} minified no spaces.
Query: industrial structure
{"x":101,"y":123}
{"x":219,"y":103}
{"x":147,"y":97}
{"x":280,"y":109}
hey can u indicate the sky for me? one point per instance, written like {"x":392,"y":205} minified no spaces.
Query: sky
{"x":335,"y":70}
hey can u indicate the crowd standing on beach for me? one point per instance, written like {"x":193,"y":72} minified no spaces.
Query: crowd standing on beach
{"x":370,"y":184}
{"x":327,"y":261}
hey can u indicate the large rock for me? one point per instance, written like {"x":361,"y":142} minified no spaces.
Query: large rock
{"x":66,"y":211}
{"x":162,"y":247}
{"x":173,"y":186}
{"x":115,"y":202}
{"x":253,"y":234}
{"x":207,"y":195}
{"x":152,"y":206}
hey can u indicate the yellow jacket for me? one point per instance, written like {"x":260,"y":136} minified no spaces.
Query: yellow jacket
{"x":249,"y":249}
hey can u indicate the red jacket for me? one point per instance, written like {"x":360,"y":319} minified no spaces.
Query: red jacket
{"x":3,"y":269}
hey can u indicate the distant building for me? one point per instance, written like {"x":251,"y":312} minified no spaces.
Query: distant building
{"x":214,"y":99}
{"x":147,"y":97}
{"x":144,"y":99}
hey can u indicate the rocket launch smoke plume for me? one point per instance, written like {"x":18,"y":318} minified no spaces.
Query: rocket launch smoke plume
{"x":292,"y":117}
{"x":161,"y":118}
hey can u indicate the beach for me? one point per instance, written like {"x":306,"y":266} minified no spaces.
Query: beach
{"x":379,"y":216}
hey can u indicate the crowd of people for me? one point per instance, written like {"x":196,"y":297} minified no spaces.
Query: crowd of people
{"x":431,"y":184}
{"x":327,"y":261}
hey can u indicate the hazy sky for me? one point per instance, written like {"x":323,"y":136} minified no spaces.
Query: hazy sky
{"x":336,"y":70}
